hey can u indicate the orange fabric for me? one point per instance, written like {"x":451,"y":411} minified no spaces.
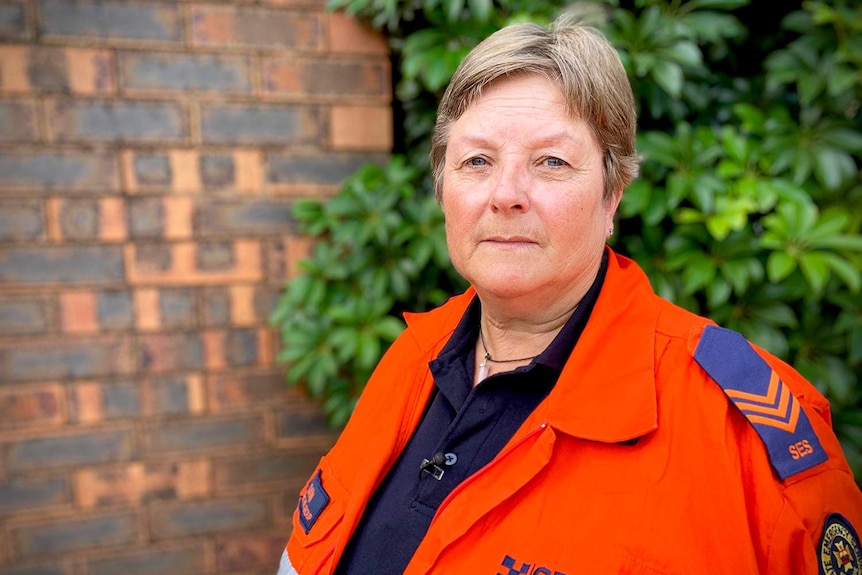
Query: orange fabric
{"x":571,"y":493}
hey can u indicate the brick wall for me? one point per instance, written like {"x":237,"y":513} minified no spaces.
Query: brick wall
{"x":149,"y":154}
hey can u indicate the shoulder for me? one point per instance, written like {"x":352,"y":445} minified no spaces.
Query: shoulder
{"x":807,"y":466}
{"x":770,"y":395}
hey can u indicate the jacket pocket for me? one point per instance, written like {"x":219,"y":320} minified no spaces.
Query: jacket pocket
{"x":319,"y":511}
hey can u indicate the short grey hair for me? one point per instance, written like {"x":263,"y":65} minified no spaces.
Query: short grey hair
{"x":580,"y":61}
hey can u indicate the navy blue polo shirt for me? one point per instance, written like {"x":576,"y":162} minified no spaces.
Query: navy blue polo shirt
{"x":469,"y":424}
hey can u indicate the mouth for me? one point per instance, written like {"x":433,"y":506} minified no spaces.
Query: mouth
{"x":512,"y":241}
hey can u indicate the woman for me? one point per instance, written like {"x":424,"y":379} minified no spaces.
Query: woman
{"x":559,"y":417}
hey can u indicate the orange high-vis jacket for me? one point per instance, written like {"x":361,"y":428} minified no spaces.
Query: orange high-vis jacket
{"x":668,"y":446}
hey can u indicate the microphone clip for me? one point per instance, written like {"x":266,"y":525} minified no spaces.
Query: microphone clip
{"x":434,"y":465}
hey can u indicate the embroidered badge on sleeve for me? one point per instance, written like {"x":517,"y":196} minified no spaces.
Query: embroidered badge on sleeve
{"x":766,"y":401}
{"x":839,"y":548}
{"x":311,"y":503}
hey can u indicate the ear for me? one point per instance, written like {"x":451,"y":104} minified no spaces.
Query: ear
{"x":611,"y":205}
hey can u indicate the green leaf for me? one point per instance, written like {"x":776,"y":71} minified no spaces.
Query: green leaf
{"x":779,"y":265}
{"x":815,"y":268}
{"x":480,"y":9}
{"x":698,"y":274}
{"x":669,"y":76}
{"x":846,"y":271}
{"x":831,"y":166}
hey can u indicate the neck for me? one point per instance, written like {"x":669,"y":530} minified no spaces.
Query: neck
{"x":506,"y":346}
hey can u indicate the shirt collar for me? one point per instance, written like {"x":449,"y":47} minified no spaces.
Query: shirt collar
{"x":607,"y":389}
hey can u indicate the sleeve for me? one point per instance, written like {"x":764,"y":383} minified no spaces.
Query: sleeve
{"x":815,"y":533}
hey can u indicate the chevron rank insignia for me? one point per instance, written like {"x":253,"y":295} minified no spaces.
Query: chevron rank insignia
{"x":763,"y":398}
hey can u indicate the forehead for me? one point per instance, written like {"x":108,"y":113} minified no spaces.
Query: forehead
{"x":530,"y":109}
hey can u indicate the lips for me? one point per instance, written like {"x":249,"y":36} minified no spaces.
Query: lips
{"x":510,"y":239}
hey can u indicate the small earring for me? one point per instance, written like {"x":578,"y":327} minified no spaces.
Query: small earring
{"x":611,"y":230}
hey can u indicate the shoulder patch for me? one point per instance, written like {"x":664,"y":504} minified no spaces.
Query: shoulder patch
{"x":312,"y":502}
{"x":766,"y":401}
{"x":839,"y":551}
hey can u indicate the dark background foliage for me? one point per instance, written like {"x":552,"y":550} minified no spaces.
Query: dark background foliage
{"x":748,"y":208}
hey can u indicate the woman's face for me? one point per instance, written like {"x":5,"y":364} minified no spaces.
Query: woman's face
{"x":522,"y":194}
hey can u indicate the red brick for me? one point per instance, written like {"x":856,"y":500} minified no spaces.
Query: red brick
{"x":91,"y":72}
{"x":199,"y":434}
{"x":361,"y":128}
{"x":242,"y":305}
{"x":249,"y":171}
{"x":26,"y":315}
{"x":113,"y":20}
{"x":18,"y":121}
{"x":13,"y":70}
{"x":349,"y":36}
{"x":69,"y":535}
{"x":69,"y":264}
{"x":15,"y":23}
{"x":301,"y":424}
{"x":316,"y":174}
{"x":73,"y":219}
{"x":112,"y":220}
{"x":54,"y":211}
{"x":253,"y":123}
{"x":320,"y":4}
{"x":23,"y":495}
{"x":87,"y":404}
{"x":179,"y":217}
{"x":32,"y":405}
{"x":79,"y":71}
{"x":184,"y":166}
{"x":136,"y":483}
{"x":170,"y":170}
{"x":214,"y":348}
{"x":44,"y":170}
{"x":248,"y":216}
{"x":175,"y":520}
{"x":246,"y":551}
{"x":21,"y":220}
{"x":156,"y":72}
{"x":183,"y":267}
{"x":184,"y":559}
{"x":160,"y":353}
{"x":247,"y":472}
{"x":298,"y":249}
{"x":266,"y":346}
{"x":71,"y":450}
{"x":52,"y":360}
{"x":292,"y":77}
{"x":255,"y":27}
{"x":147,"y":312}
{"x":235,"y":390}
{"x":173,"y":395}
{"x":116,"y":121}
{"x":79,"y":312}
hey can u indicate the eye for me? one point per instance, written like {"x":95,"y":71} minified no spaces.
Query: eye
{"x":477,"y":162}
{"x":553,"y":162}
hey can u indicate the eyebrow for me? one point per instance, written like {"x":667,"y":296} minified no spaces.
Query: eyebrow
{"x":537,"y":142}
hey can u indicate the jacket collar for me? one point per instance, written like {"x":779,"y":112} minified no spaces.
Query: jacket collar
{"x":607,"y":390}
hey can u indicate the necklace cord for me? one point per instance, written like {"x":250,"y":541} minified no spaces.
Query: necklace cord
{"x":492,"y":360}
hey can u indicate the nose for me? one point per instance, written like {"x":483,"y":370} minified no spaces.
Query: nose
{"x":510,"y":192}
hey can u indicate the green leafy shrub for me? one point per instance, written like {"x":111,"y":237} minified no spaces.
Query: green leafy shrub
{"x":748,"y":208}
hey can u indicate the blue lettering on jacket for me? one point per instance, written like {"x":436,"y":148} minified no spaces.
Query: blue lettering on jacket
{"x":312,"y":502}
{"x":514,"y":567}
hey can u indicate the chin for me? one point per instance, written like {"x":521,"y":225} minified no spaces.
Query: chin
{"x":505,"y":286}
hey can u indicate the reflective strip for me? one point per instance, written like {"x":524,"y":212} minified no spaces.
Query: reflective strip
{"x":285,"y":568}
